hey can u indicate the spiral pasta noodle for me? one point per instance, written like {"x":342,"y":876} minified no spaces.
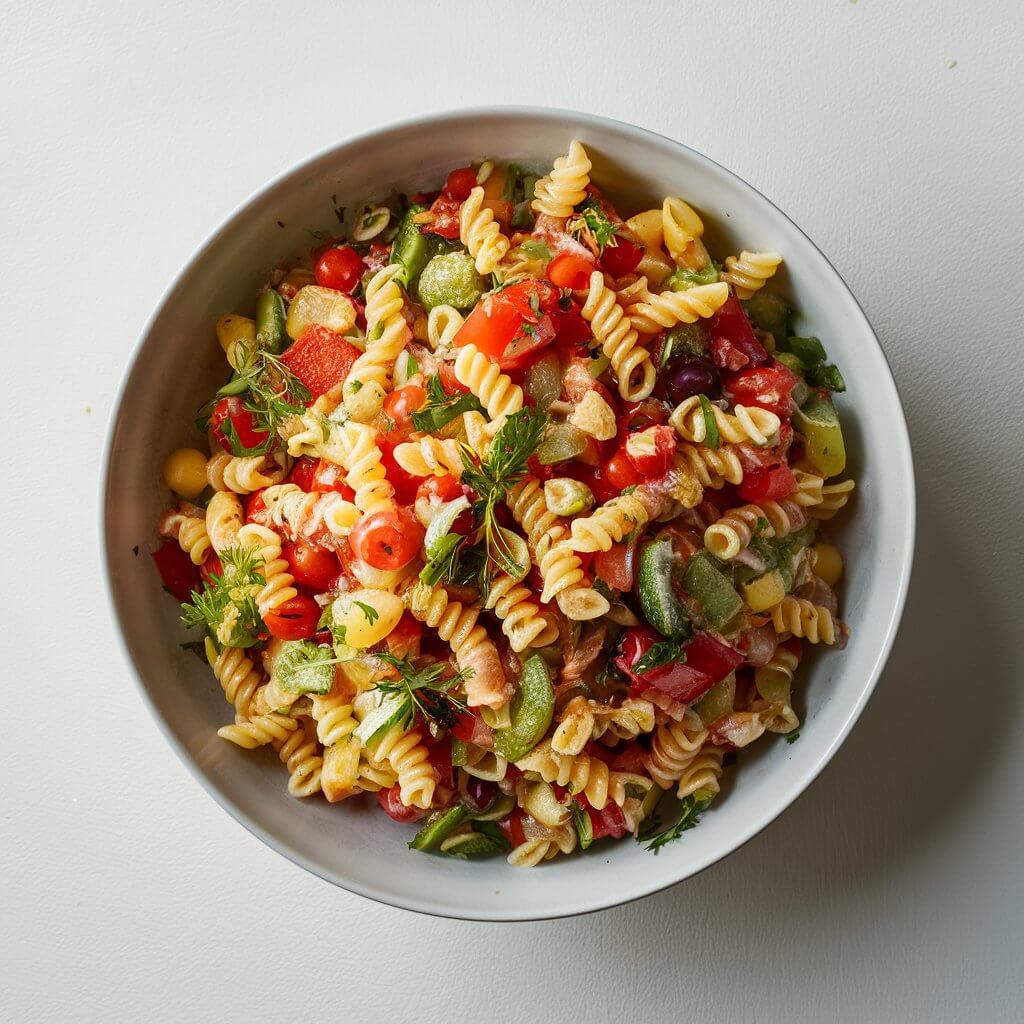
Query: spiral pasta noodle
{"x":681,"y":227}
{"x":833,"y":498}
{"x":224,"y":519}
{"x":587,"y":775}
{"x":530,"y":853}
{"x":237,"y":675}
{"x":759,"y":426}
{"x":630,"y":361}
{"x":257,"y":730}
{"x":430,"y":455}
{"x":225,"y":472}
{"x":522,"y":620}
{"x":702,"y":773}
{"x":190,"y":532}
{"x":443,"y":323}
{"x":300,"y":754}
{"x":666,"y":309}
{"x":277,"y":587}
{"x":565,"y":187}
{"x":373,"y":776}
{"x":802,"y":618}
{"x":387,"y":332}
{"x":334,"y":719}
{"x":498,"y":394}
{"x":480,"y":233}
{"x":732,"y":533}
{"x":365,"y":472}
{"x":409,"y":760}
{"x":748,"y":272}
{"x":674,"y":747}
{"x":583,"y":720}
{"x":457,"y":626}
{"x":710,"y":467}
{"x":608,"y":524}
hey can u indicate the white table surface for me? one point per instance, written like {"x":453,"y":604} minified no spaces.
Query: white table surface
{"x":892,"y":134}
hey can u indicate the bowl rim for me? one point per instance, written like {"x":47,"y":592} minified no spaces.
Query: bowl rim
{"x":900,"y":450}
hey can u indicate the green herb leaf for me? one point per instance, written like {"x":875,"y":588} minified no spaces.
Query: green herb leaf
{"x":372,"y":615}
{"x":441,"y":564}
{"x":682,"y":280}
{"x":535,"y":250}
{"x":230,"y":597}
{"x":792,"y":737}
{"x":442,"y":408}
{"x":581,"y":822}
{"x":423,"y":690}
{"x":412,"y":367}
{"x":664,"y":652}
{"x":596,"y":221}
{"x":711,"y":424}
{"x":692,"y":807}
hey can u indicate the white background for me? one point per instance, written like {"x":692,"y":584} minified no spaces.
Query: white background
{"x":893,"y":889}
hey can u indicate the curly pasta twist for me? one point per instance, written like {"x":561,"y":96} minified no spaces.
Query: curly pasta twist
{"x":409,"y":759}
{"x":278,"y":586}
{"x":759,"y":426}
{"x":364,"y":470}
{"x":498,"y":394}
{"x":519,"y":265}
{"x":300,"y":753}
{"x":681,"y":228}
{"x":225,"y":472}
{"x":587,"y":775}
{"x":474,"y":651}
{"x":443,"y":323}
{"x":712,"y":468}
{"x":565,"y":187}
{"x":531,"y":852}
{"x":702,"y":773}
{"x":804,"y":619}
{"x":608,"y":524}
{"x":374,"y":776}
{"x":480,"y":234}
{"x":583,"y":720}
{"x":674,"y":746}
{"x":334,"y":719}
{"x":298,"y":514}
{"x":224,"y":519}
{"x":833,"y":498}
{"x":238,"y":676}
{"x":631,"y":362}
{"x":727,"y":537}
{"x":430,"y":455}
{"x":776,"y":676}
{"x":257,"y":730}
{"x":522,"y":620}
{"x":667,"y":309}
{"x":190,"y":532}
{"x":387,"y":332}
{"x":748,"y":273}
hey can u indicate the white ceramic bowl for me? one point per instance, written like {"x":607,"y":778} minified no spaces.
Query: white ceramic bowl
{"x":177,"y":365}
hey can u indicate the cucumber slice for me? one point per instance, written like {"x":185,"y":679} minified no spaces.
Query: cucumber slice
{"x":818,"y":422}
{"x":270,"y":321}
{"x":771,"y":313}
{"x":657,"y":569}
{"x":474,"y":845}
{"x":530,"y":712}
{"x":704,"y":579}
{"x":438,"y":827}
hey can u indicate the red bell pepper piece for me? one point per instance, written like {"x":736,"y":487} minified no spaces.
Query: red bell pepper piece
{"x":177,"y":572}
{"x":320,"y":359}
{"x":609,"y":821}
{"x":767,"y":387}
{"x":767,"y":484}
{"x":734,"y":344}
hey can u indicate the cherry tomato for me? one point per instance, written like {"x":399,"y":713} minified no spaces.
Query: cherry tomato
{"x":767,"y":387}
{"x":447,"y":488}
{"x":177,"y":573}
{"x":609,"y":821}
{"x":256,"y":508}
{"x":571,"y":330}
{"x":405,"y":484}
{"x":512,"y":324}
{"x":621,"y":258}
{"x":767,"y":484}
{"x":460,"y":183}
{"x":621,"y":472}
{"x":320,"y":359}
{"x":302,"y":473}
{"x":211,"y":567}
{"x":339,"y":268}
{"x":450,"y":384}
{"x":231,"y":419}
{"x":390,"y":801}
{"x":401,"y":404}
{"x":641,"y":415}
{"x":616,"y":565}
{"x":389,"y":539}
{"x":651,"y":464}
{"x":295,"y":619}
{"x":311,"y":565}
{"x":445,"y":209}
{"x":568,"y":270}
{"x":329,"y":476}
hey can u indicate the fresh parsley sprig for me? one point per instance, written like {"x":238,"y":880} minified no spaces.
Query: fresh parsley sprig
{"x":692,"y":807}
{"x":442,"y":408}
{"x":228,"y":600}
{"x":592,"y":220}
{"x":423,"y":690}
{"x":664,"y":652}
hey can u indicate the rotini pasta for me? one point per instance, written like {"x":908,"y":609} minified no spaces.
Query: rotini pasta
{"x":674,"y":747}
{"x":609,"y":524}
{"x":427,"y":455}
{"x":480,"y":234}
{"x":682,"y":230}
{"x":443,"y":323}
{"x":565,"y":187}
{"x":244,"y":475}
{"x":190,"y":532}
{"x":733,"y":532}
{"x":300,"y":754}
{"x":522,"y":621}
{"x":749,"y":272}
{"x":584,"y":774}
{"x":365,"y":471}
{"x":409,"y":761}
{"x":756,"y":425}
{"x":666,"y":309}
{"x":277,"y":587}
{"x":801,"y":618}
{"x":498,"y":394}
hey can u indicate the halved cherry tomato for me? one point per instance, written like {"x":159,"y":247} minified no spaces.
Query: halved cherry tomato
{"x":211,"y":567}
{"x":231,"y":420}
{"x":641,"y":415}
{"x":767,"y":387}
{"x":295,"y":619}
{"x":389,"y":539}
{"x":311,"y":565}
{"x":616,"y":566}
{"x":567,"y":270}
{"x":450,"y":384}
{"x":767,"y":484}
{"x":256,"y":508}
{"x":390,"y":801}
{"x":339,"y":267}
{"x":460,"y":183}
{"x":512,"y":325}
{"x":320,"y":359}
{"x":651,"y":464}
{"x":571,"y":330}
{"x":405,"y":484}
{"x":177,"y":573}
{"x":303,"y":473}
{"x":512,"y":827}
{"x":329,"y":476}
{"x":620,"y":471}
{"x":622,"y":257}
{"x":447,"y":488}
{"x":445,"y":209}
{"x":376,"y":259}
{"x":734,"y":344}
{"x":401,"y":404}
{"x":609,"y":821}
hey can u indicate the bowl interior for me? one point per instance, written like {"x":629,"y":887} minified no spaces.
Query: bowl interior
{"x":178,"y":364}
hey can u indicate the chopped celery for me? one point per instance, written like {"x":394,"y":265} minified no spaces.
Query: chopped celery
{"x":411,"y":248}
{"x":270,"y":321}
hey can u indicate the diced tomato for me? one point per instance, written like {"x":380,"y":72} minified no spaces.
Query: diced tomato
{"x":340,"y":268}
{"x":567,"y":270}
{"x":447,"y":488}
{"x":651,"y":463}
{"x":389,"y":539}
{"x":320,"y":359}
{"x":609,"y":821}
{"x":596,"y":478}
{"x":622,"y":257}
{"x":621,"y":472}
{"x":445,"y":209}
{"x":572,"y":332}
{"x":734,"y":344}
{"x":401,"y":404}
{"x":707,"y":661}
{"x":256,"y":509}
{"x":405,"y":484}
{"x":512,"y":827}
{"x":303,"y":473}
{"x":311,"y":565}
{"x":767,"y":387}
{"x":616,"y":566}
{"x":460,"y":183}
{"x":450,"y":384}
{"x":295,"y":619}
{"x":376,"y":259}
{"x":390,"y":801}
{"x":211,"y":567}
{"x":630,"y":758}
{"x":471,"y":728}
{"x":329,"y":476}
{"x":404,"y":640}
{"x":512,"y":325}
{"x":641,"y":415}
{"x":232,"y":421}
{"x":177,"y":573}
{"x":768,"y":484}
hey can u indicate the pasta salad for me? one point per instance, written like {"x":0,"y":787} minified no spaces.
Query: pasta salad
{"x":514,"y":516}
